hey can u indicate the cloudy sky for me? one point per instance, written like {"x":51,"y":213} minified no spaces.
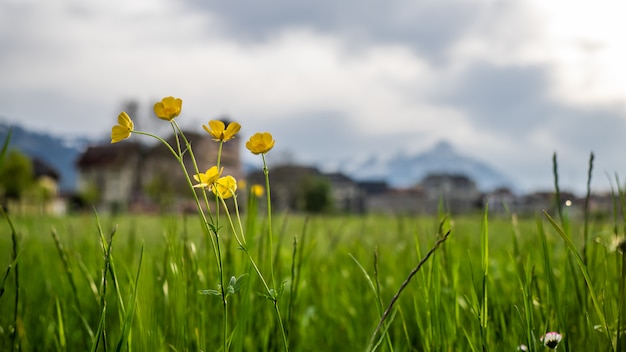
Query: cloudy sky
{"x":506,"y":82}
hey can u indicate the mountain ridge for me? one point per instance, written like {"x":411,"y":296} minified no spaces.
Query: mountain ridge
{"x":405,"y":170}
{"x":55,"y":151}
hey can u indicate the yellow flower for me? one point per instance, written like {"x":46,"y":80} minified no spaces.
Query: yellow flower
{"x":220,"y":132}
{"x":205,"y":180}
{"x":123,"y":128}
{"x":168,"y":108}
{"x":257,"y":190}
{"x":260,"y":143}
{"x":225,"y":187}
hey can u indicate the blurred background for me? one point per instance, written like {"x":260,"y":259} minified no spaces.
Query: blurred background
{"x":389,"y":92}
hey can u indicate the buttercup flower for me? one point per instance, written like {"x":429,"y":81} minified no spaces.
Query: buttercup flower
{"x":225,"y":187}
{"x":220,"y":132}
{"x":168,"y":108}
{"x":551,"y":340}
{"x":123,"y":128}
{"x":260,"y":143}
{"x":205,"y":180}
{"x":257,"y":190}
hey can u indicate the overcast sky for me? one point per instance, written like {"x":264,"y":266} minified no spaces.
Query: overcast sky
{"x":506,"y":82}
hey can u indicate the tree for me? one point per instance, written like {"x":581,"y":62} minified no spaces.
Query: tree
{"x":90,"y":195}
{"x":160,"y":191}
{"x":16,"y":174}
{"x":316,"y":195}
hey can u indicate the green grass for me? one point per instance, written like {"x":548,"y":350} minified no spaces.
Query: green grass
{"x":340,"y":274}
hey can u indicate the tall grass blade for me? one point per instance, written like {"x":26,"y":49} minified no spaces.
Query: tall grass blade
{"x":66,"y":266}
{"x":14,"y":255}
{"x":5,"y":146}
{"x":376,"y":290}
{"x":586,"y":211}
{"x":61,"y":326}
{"x":404,"y":284}
{"x":106,"y":250}
{"x":128,"y":320}
{"x":6,"y":275}
{"x":484,"y":250}
{"x":557,"y":189}
{"x":621,"y":315}
{"x":549,"y":274}
{"x":599,"y":308}
{"x":99,"y":332}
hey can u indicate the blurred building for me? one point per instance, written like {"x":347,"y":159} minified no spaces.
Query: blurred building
{"x":133,"y":176}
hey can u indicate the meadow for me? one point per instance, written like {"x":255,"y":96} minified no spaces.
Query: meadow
{"x":494,"y":284}
{"x":222,"y":279}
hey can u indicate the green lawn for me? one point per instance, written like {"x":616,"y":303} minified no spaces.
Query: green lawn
{"x":491,"y":286}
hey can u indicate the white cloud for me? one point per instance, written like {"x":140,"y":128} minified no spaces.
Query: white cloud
{"x":69,"y":65}
{"x":589,"y":51}
{"x":105,"y":54}
{"x":580,"y":41}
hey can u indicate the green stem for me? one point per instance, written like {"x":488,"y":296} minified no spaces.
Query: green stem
{"x":396,"y":296}
{"x":621,"y":337}
{"x":271,"y":249}
{"x":14,"y":255}
{"x":269,"y":218}
{"x":205,"y":222}
{"x":271,"y":292}
{"x":243,"y":246}
{"x":282,"y":326}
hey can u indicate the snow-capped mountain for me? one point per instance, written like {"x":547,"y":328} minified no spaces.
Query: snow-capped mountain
{"x":404,"y":170}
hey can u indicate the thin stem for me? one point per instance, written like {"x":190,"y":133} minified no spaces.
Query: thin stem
{"x":14,"y":255}
{"x":210,"y":229}
{"x":621,"y":337}
{"x":271,"y":292}
{"x":205,"y":222}
{"x":269,"y":218}
{"x":243,"y":235}
{"x":282,"y":326}
{"x":196,"y":168}
{"x":243,"y":246}
{"x":271,"y":250}
{"x":586,"y":211}
{"x":223,"y":293}
{"x":402,"y":287}
{"x":179,"y":158}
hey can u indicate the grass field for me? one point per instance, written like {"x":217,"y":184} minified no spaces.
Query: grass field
{"x":260,"y":281}
{"x":494,"y":284}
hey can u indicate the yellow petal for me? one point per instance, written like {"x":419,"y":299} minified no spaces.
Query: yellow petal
{"x":159,"y":110}
{"x":124,"y":120}
{"x":260,"y":143}
{"x":119,"y":133}
{"x":232,"y":129}
{"x":168,"y":108}
{"x":217,"y":125}
{"x":212,"y":174}
{"x":225,"y":187}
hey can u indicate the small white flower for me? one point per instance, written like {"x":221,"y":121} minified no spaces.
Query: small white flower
{"x":522,"y":347}
{"x":551,"y":339}
{"x":618,"y":243}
